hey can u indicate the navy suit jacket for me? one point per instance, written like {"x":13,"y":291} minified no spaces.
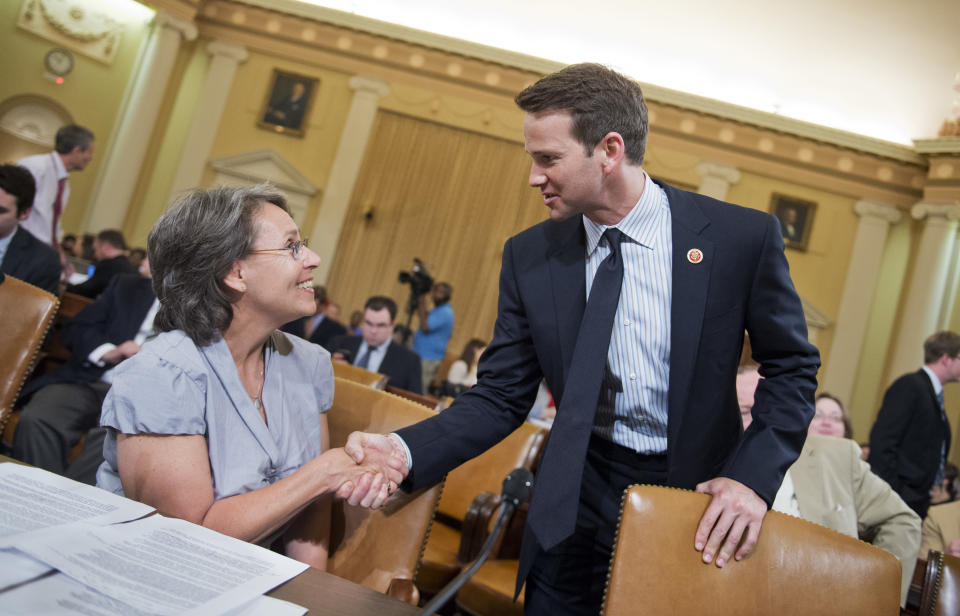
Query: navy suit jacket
{"x":33,"y":261}
{"x":114,"y":317}
{"x":399,"y":363}
{"x":742,"y":283}
{"x":906,"y":439}
{"x":323,"y":334}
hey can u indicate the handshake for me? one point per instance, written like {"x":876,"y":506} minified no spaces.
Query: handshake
{"x":370,"y":468}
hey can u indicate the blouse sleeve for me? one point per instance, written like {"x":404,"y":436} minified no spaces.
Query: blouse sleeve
{"x":152,"y":396}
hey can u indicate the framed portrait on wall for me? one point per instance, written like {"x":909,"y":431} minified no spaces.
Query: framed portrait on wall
{"x":796,"y":219}
{"x":287,"y":103}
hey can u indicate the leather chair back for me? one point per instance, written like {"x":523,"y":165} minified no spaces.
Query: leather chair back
{"x":486,"y":472}
{"x":27,"y":313}
{"x":941,"y":585}
{"x":437,"y":404}
{"x":378,"y":549}
{"x":343,"y":370}
{"x":797,"y":567}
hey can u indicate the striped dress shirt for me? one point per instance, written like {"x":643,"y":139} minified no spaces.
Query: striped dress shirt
{"x":632,"y":409}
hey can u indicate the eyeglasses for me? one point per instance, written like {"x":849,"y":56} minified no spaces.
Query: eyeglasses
{"x":828,"y":417}
{"x":296,"y":249}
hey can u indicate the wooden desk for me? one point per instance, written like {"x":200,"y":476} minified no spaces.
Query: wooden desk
{"x":323,"y":593}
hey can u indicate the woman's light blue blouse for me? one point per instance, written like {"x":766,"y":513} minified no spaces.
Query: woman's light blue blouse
{"x":172,"y":386}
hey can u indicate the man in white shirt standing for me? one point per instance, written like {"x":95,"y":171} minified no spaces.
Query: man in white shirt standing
{"x":73,"y":151}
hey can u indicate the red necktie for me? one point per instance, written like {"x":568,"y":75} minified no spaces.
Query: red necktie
{"x":57,"y":208}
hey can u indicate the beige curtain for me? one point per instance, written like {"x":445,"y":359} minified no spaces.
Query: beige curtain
{"x":448,"y":196}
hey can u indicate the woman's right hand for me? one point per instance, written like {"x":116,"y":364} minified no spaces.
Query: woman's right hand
{"x":368,"y":483}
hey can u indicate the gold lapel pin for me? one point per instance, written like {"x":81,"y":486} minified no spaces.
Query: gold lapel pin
{"x":694,"y":255}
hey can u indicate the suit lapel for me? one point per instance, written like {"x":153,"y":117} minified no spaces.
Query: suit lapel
{"x":567,"y":259}
{"x":691,"y":279}
{"x":935,"y":404}
{"x":808,"y":485}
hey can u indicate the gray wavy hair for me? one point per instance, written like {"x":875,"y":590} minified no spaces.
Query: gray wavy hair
{"x":192,"y":248}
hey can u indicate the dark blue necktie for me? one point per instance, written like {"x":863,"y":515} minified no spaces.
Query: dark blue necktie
{"x":365,"y":358}
{"x":553,"y":513}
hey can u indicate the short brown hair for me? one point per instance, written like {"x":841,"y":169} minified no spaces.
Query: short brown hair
{"x":599,"y":100}
{"x":940,"y":344}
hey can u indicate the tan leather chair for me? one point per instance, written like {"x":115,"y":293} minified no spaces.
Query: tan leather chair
{"x":27,"y":314}
{"x":437,"y":404}
{"x":343,"y":370}
{"x":378,"y":549}
{"x":797,"y":567}
{"x":940,"y":595}
{"x":447,"y":550}
{"x":490,"y":591}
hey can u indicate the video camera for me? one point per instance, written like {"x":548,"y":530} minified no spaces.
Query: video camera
{"x":418,"y":278}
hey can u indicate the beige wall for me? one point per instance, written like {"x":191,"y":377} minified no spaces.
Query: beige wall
{"x":92,"y":93}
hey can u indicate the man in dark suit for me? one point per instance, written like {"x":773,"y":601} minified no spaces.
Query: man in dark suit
{"x":375,"y":349}
{"x":111,"y":251}
{"x":22,"y":255}
{"x":910,"y":440}
{"x":61,"y":406}
{"x":319,"y":328}
{"x":632,"y":302}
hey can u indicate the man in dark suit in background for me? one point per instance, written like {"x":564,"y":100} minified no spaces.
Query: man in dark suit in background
{"x":910,"y":440}
{"x":632,"y":302}
{"x":376,"y":351}
{"x":22,"y":255}
{"x":319,"y":328}
{"x":111,"y":251}
{"x":63,"y":405}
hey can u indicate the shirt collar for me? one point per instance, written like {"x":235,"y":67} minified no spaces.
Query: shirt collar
{"x":640,"y":223}
{"x":58,"y":166}
{"x":937,"y":385}
{"x":5,"y":241}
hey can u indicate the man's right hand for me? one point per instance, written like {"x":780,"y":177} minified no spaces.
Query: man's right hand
{"x":386,"y":450}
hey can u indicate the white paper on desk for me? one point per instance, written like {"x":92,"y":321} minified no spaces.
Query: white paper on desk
{"x":33,"y":499}
{"x":16,"y":567}
{"x":162,"y":564}
{"x":58,"y":594}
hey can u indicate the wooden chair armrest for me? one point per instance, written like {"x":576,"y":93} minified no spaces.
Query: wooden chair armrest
{"x":404,"y":590}
{"x":477,"y":524}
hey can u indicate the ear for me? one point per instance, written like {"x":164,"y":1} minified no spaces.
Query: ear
{"x":26,"y":212}
{"x":612,"y":150}
{"x":235,"y":278}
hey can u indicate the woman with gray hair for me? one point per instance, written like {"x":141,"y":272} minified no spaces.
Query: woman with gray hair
{"x":218,"y":420}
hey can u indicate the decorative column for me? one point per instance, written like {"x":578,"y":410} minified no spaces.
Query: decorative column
{"x":953,"y":282}
{"x":858,"y":292}
{"x":346,"y":167}
{"x":224,"y":60}
{"x":716,"y":179}
{"x":125,"y":153}
{"x":927,"y":283}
